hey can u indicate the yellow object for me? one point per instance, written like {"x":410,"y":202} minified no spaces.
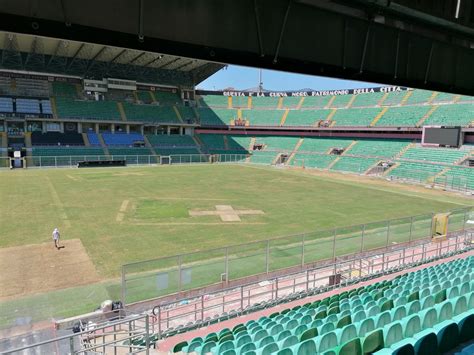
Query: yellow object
{"x":439,"y":227}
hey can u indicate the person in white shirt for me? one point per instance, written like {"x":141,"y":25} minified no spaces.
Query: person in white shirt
{"x":56,"y":236}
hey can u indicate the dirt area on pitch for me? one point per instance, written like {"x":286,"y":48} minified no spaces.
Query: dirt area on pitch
{"x":37,"y":268}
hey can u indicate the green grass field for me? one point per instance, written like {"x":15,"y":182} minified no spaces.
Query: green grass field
{"x":128,"y":215}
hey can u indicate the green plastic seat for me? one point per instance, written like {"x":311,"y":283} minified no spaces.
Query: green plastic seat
{"x":382,"y":319}
{"x":243,"y":340}
{"x":246,"y":348}
{"x":444,"y":311}
{"x":465,"y":326}
{"x":373,"y":341}
{"x":326,"y":328}
{"x":268,"y":349}
{"x":288,"y":342}
{"x":309,"y":334}
{"x":206,"y":347}
{"x":178,"y":347}
{"x":344,"y":321}
{"x":308,"y":347}
{"x":460,"y":305}
{"x":300,"y":329}
{"x":286,"y":351}
{"x":284,"y":334}
{"x":428,"y":318}
{"x":227,"y":345}
{"x":411,"y":325}
{"x":392,"y":333}
{"x":447,"y":333}
{"x":351,"y":347}
{"x":267,"y":340}
{"x":276,"y":329}
{"x":346,"y":333}
{"x":326,"y":341}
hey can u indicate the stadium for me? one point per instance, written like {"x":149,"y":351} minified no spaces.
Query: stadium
{"x":227,"y":221}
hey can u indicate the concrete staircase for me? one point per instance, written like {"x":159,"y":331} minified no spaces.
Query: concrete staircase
{"x":351,"y":101}
{"x":425,"y":117}
{"x":229,"y":102}
{"x":249,"y":102}
{"x":135,"y":96}
{"x":328,"y":117}
{"x":372,"y":167}
{"x":121,"y":110}
{"x":333,"y":163}
{"x":199,"y":144}
{"x":349,"y":147}
{"x":432,"y":97}
{"x":331,"y":100}
{"x":386,"y":172}
{"x":153,"y":97}
{"x":384,"y":97}
{"x":300,"y":103}
{"x":149,"y":146}
{"x":283,"y":118}
{"x":456,"y":98}
{"x":294,"y":151}
{"x":400,"y":153}
{"x":28,"y":143}
{"x":406,"y":97}
{"x":178,"y":114}
{"x":85,"y":138}
{"x":378,"y":117}
{"x":103,"y":145}
{"x":54,"y":108}
{"x":250,"y":148}
{"x":442,"y":172}
{"x":280,"y":103}
{"x":276,"y":158}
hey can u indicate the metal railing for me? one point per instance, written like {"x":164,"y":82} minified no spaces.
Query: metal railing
{"x":183,"y":314}
{"x":210,"y":269}
{"x":131,"y":335}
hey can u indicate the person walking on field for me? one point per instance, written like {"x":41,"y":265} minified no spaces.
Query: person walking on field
{"x":56,"y":236}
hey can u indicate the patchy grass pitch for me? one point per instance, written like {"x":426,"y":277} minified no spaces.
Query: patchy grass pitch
{"x":134,"y":214}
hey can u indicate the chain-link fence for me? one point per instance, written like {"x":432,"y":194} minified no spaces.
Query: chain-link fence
{"x":73,"y":161}
{"x":163,"y":276}
{"x":456,"y":183}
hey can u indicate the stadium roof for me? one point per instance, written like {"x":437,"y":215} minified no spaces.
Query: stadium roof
{"x":424,"y":44}
{"x":54,"y":55}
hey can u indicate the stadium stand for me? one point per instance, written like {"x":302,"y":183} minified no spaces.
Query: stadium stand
{"x":312,"y":160}
{"x":263,"y":157}
{"x":441,"y":155}
{"x":367,"y":100}
{"x":415,"y":171}
{"x":419,"y":97}
{"x":93,"y":138}
{"x":213,"y":101}
{"x":6,"y":105}
{"x":56,"y":139}
{"x":305,"y":117}
{"x":87,"y":109}
{"x":430,"y":310}
{"x":378,"y":148}
{"x":323,"y":145}
{"x":458,"y":177}
{"x":64,"y":89}
{"x":316,"y":101}
{"x":394,"y":98}
{"x":27,"y":106}
{"x":150,"y":113}
{"x":114,"y":139}
{"x":353,"y":164}
{"x":263,"y":117}
{"x":402,"y":116}
{"x":355,"y":117}
{"x":455,"y":115}
{"x":280,"y":144}
{"x":291,"y":102}
{"x":340,"y":101}
{"x":167,"y":98}
{"x":264,"y":101}
{"x":217,"y":117}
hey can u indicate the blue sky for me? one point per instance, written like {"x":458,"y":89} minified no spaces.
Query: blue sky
{"x":242,"y":78}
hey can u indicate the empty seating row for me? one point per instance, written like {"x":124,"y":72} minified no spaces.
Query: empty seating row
{"x":441,"y":155}
{"x":427,"y":311}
